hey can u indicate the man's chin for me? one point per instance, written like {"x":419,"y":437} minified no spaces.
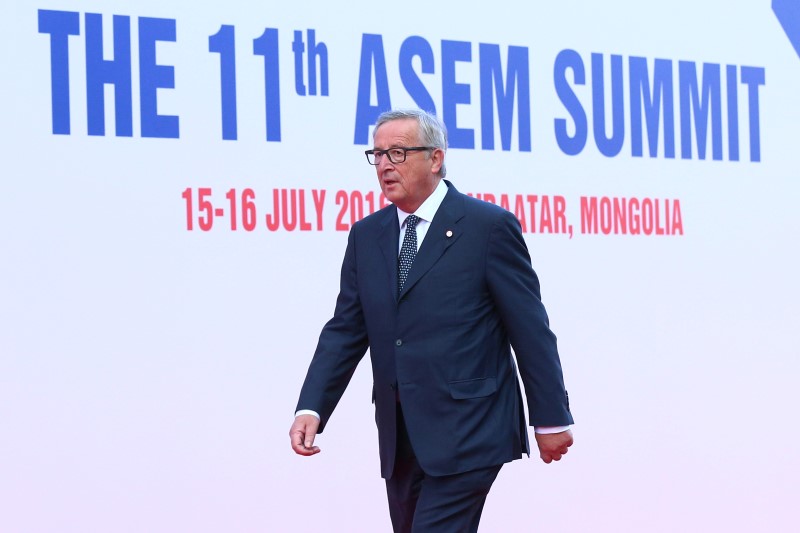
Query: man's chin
{"x":391,"y":195}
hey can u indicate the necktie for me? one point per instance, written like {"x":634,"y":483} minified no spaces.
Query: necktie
{"x":408,"y":251}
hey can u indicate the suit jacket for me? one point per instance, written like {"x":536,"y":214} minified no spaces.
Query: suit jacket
{"x":443,"y":346}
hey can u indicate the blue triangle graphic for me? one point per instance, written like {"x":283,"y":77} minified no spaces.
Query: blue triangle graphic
{"x":788,"y":13}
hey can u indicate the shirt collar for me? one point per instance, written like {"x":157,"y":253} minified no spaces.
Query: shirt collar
{"x":429,"y":207}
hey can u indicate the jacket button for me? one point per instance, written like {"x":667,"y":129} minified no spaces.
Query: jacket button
{"x":398,"y":342}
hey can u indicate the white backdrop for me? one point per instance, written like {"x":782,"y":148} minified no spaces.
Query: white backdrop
{"x":149,"y":373}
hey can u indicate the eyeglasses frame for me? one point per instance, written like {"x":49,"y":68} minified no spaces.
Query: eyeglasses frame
{"x":379,"y":153}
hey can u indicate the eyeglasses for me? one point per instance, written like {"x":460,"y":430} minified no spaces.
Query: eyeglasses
{"x":395,"y":155}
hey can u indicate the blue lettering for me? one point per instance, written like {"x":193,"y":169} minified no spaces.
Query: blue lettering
{"x":700,"y":102}
{"x":366,"y":113}
{"x":224,"y":43}
{"x":116,"y":72}
{"x":570,"y":59}
{"x":693,"y":104}
{"x":608,"y":146}
{"x":491,"y":76}
{"x":60,"y":25}
{"x":454,"y":93}
{"x":267,"y":46}
{"x":153,"y":76}
{"x":317,"y":50}
{"x":753,"y":77}
{"x":298,"y":47}
{"x":661,"y":96}
{"x":411,"y":48}
{"x":733,"y":113}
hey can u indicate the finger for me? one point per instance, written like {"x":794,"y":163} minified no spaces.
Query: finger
{"x":310,"y":449}
{"x":302,"y":434}
{"x":297,"y":441}
{"x":296,"y":436}
{"x":310,"y":434}
{"x":300,"y":448}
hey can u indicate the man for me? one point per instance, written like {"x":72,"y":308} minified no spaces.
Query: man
{"x":439,"y":286}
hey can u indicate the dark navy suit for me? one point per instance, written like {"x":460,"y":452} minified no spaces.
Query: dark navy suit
{"x":442,"y":347}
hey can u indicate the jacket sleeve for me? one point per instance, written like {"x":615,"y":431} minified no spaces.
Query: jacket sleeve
{"x":514,"y":287}
{"x":341,"y":345}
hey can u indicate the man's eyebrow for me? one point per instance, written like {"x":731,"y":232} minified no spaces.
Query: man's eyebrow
{"x":392,"y":147}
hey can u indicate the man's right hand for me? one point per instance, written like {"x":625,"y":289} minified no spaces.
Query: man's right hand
{"x":302,"y":433}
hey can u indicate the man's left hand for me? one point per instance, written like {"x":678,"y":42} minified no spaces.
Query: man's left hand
{"x":554,"y":445}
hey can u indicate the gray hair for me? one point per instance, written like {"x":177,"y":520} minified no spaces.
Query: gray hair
{"x":432,"y":131}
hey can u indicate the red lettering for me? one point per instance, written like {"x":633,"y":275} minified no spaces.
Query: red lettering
{"x":304,"y":224}
{"x":677,"y":218}
{"x":273,"y":221}
{"x":341,"y":199}
{"x":546,"y":221}
{"x":559,"y":215}
{"x":647,"y":216}
{"x":588,"y":214}
{"x":319,"y":204}
{"x":532,"y":200}
{"x":519,"y":212}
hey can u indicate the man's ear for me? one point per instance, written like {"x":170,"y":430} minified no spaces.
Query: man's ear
{"x":437,"y":160}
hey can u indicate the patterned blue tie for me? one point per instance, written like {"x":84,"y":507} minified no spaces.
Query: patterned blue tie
{"x":407,"y":252}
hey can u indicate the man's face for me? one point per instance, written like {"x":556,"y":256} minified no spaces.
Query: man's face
{"x":409,"y":183}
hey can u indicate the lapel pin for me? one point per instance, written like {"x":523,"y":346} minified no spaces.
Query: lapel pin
{"x":449,"y":233}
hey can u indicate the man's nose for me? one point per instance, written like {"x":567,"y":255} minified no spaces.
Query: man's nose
{"x":384,"y":162}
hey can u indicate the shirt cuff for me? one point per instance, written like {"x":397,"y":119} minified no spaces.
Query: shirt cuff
{"x":306,"y":412}
{"x":546,"y":430}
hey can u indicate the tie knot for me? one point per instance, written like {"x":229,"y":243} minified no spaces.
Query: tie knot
{"x":411,"y":221}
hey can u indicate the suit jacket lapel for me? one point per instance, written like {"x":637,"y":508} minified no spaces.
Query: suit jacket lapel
{"x":442,"y":233}
{"x":388,"y":243}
